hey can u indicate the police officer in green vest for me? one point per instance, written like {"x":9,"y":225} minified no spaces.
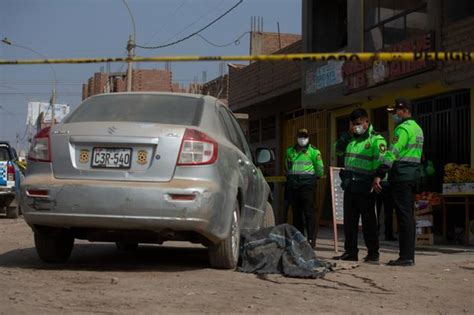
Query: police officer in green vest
{"x":402,"y":162}
{"x":361,"y":147}
{"x":303,"y":166}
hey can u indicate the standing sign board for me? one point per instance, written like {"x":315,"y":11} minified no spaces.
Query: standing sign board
{"x":337,"y":195}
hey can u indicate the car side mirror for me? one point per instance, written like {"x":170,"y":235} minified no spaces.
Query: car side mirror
{"x":264,"y":155}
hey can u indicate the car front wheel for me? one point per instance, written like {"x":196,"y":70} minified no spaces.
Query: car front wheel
{"x":54,"y":248}
{"x":225,"y":254}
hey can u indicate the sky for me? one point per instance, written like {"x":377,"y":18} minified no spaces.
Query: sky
{"x":100,"y":28}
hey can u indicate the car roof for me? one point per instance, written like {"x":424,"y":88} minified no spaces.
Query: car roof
{"x":207,"y":98}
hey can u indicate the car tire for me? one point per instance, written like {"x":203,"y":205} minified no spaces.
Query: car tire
{"x":225,"y":254}
{"x":126,"y":246}
{"x":54,"y":249}
{"x":269,"y":217}
{"x":12,"y":212}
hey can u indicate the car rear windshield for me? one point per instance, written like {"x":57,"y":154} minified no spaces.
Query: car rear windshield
{"x":4,"y":154}
{"x":146,"y":108}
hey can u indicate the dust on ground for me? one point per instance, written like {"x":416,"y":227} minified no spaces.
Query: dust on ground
{"x":176,"y":278}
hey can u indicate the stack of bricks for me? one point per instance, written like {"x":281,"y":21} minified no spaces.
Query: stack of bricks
{"x":100,"y":82}
{"x":266,"y":43}
{"x":90,"y":86}
{"x":457,"y":36}
{"x":119,"y":85}
{"x":85,"y":91}
{"x":152,"y":80}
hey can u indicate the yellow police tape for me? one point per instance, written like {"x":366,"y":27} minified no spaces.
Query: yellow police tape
{"x":279,"y":179}
{"x":275,"y":179}
{"x":364,"y":56}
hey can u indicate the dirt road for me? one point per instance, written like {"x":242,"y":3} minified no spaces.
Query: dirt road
{"x":173,"y":279}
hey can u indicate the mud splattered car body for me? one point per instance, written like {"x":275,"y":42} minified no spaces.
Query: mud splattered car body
{"x":144,"y":168}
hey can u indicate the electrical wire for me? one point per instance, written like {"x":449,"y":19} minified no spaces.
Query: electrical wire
{"x":193,"y":34}
{"x":164,"y":24}
{"x":201,"y":17}
{"x":234,"y":42}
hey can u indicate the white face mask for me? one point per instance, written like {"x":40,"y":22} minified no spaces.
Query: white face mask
{"x":359,"y":129}
{"x":302,"y":142}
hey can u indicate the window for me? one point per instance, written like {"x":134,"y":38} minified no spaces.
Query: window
{"x":240,"y":133}
{"x":458,"y":10}
{"x":329,"y":25}
{"x":387,"y":22}
{"x":446,"y":123}
{"x":145,"y":108}
{"x":231,"y":132}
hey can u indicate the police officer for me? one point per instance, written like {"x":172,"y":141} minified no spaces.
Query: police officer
{"x":303,"y":167}
{"x":361,"y":147}
{"x":402,"y":162}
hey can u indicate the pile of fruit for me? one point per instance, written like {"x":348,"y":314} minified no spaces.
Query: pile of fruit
{"x":432,"y":198}
{"x":454,"y":173}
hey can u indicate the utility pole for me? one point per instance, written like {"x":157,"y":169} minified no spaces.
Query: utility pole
{"x":53,"y":107}
{"x":130,"y":50}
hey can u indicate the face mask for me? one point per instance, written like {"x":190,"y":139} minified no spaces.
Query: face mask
{"x":359,"y":129}
{"x":396,"y":119}
{"x":303,"y":142}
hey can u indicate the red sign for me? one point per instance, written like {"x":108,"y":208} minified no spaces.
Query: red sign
{"x":361,"y":75}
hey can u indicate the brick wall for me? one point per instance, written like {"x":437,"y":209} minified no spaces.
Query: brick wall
{"x":267,"y":43}
{"x":90,"y":86}
{"x":458,"y":36}
{"x":119,"y":85}
{"x":152,"y":80}
{"x":85,"y":91}
{"x":143,"y":80}
{"x":218,"y":86}
{"x":100,"y":82}
{"x":263,"y":80}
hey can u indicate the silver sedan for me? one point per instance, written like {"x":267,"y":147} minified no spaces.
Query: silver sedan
{"x":136,"y":168}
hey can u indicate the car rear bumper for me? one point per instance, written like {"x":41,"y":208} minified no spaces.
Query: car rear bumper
{"x":7,"y":191}
{"x":127,"y":205}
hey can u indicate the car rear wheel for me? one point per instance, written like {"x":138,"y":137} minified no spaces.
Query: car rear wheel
{"x":225,"y":254}
{"x":126,"y":246}
{"x":269,"y":217}
{"x":13,"y":212}
{"x":54,"y":248}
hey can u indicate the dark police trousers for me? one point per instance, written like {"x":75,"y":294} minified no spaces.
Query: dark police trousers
{"x":358,"y":205}
{"x":384,"y":199}
{"x":403,"y":197}
{"x":302,"y":204}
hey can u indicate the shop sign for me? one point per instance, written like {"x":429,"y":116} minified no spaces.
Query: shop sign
{"x":362,"y":75}
{"x":324,"y":76}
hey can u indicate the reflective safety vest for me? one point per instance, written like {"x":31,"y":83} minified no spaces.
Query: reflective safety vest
{"x":404,"y":156}
{"x":362,"y":154}
{"x":303,"y":167}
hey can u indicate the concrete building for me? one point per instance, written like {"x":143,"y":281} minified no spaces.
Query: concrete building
{"x":442,"y":93}
{"x":281,"y":97}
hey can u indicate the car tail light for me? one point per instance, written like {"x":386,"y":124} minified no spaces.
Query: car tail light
{"x":10,"y":173}
{"x":183,"y":197}
{"x":37,"y":193}
{"x":197,"y":149}
{"x":41,"y":147}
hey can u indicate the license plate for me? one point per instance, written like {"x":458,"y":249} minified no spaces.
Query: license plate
{"x":111,"y":157}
